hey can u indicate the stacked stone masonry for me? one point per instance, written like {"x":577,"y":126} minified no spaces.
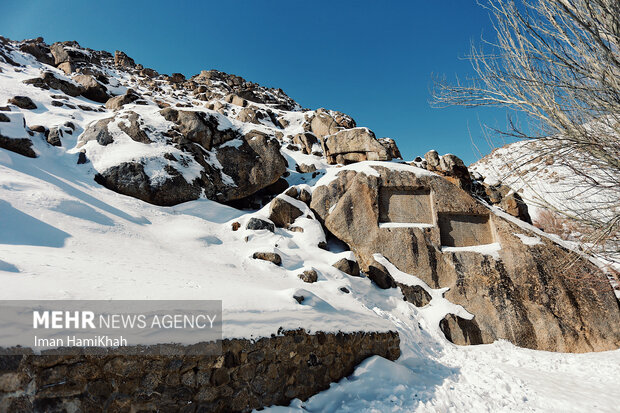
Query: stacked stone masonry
{"x":247,"y":375}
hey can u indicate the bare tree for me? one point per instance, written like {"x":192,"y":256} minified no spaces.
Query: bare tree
{"x":558,"y":62}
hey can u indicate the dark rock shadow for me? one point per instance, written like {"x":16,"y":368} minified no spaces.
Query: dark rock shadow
{"x":51,"y":177}
{"x":18,"y":228}
{"x":80,"y":210}
{"x":8,"y":267}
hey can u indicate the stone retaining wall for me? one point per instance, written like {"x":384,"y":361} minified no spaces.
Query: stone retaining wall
{"x":248,"y":375}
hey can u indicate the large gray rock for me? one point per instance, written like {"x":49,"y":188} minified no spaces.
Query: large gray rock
{"x":123,"y":61}
{"x":23,"y":102}
{"x":97,"y":131}
{"x":306,"y":140}
{"x":248,"y":115}
{"x":59,"y":53}
{"x":354,"y":145}
{"x":129,"y":178}
{"x":39,"y":50}
{"x":241,"y":169}
{"x":198,"y":127}
{"x":521,"y":292}
{"x":390,"y":146}
{"x":131,"y":126}
{"x":509,"y":201}
{"x":93,"y":90}
{"x":68,"y":55}
{"x":257,"y":224}
{"x":22,"y":146}
{"x":348,"y":267}
{"x":253,"y":165}
{"x":54,"y":136}
{"x":282,"y":213}
{"x":323,"y":124}
{"x":49,"y":81}
{"x":117,"y":102}
{"x":449,"y":166}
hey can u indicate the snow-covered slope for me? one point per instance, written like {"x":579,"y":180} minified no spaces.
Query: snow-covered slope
{"x":63,"y":236}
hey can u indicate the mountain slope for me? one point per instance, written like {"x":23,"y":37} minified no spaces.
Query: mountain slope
{"x":63,"y":236}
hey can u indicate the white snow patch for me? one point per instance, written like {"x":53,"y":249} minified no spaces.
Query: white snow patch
{"x":534,"y":240}
{"x":486,"y":249}
{"x":368,"y":168}
{"x":404,"y":225}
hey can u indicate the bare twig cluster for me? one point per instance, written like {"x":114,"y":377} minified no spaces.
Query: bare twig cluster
{"x":558,"y":62}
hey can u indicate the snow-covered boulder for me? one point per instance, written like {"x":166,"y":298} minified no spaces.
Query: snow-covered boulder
{"x":14,"y":134}
{"x":172,"y":156}
{"x":49,"y":80}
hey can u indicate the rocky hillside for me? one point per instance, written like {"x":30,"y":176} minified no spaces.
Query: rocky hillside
{"x":548,"y":185}
{"x":117,"y":182}
{"x":167,"y":139}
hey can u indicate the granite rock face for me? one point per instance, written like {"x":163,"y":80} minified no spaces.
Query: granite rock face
{"x":354,"y":145}
{"x":513,"y":281}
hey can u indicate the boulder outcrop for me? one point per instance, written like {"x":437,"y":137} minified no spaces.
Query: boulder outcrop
{"x":130,"y":178}
{"x":354,"y":145}
{"x":117,"y":102}
{"x":390,"y":146}
{"x":18,"y":141}
{"x":347,"y":266}
{"x":510,"y":201}
{"x":283,"y":213}
{"x":306,"y":141}
{"x":122,"y":60}
{"x":323,"y":124}
{"x":511,"y":279}
{"x":22,"y":146}
{"x":38,"y":49}
{"x":204,"y":163}
{"x":253,"y":165}
{"x":49,"y":81}
{"x":328,"y":122}
{"x":68,"y":56}
{"x":93,"y":90}
{"x":449,"y":166}
{"x":198,"y":127}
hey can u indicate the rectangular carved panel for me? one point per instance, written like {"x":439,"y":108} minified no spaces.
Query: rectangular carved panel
{"x":405,"y":205}
{"x":463,"y":230}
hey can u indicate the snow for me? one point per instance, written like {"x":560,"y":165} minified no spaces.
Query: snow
{"x":433,"y":375}
{"x":404,"y":225}
{"x":492,"y":249}
{"x":15,"y":127}
{"x":529,"y":240}
{"x":71,"y":239}
{"x":368,"y":168}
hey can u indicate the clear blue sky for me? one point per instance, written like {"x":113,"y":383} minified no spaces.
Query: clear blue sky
{"x":372,"y":60}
